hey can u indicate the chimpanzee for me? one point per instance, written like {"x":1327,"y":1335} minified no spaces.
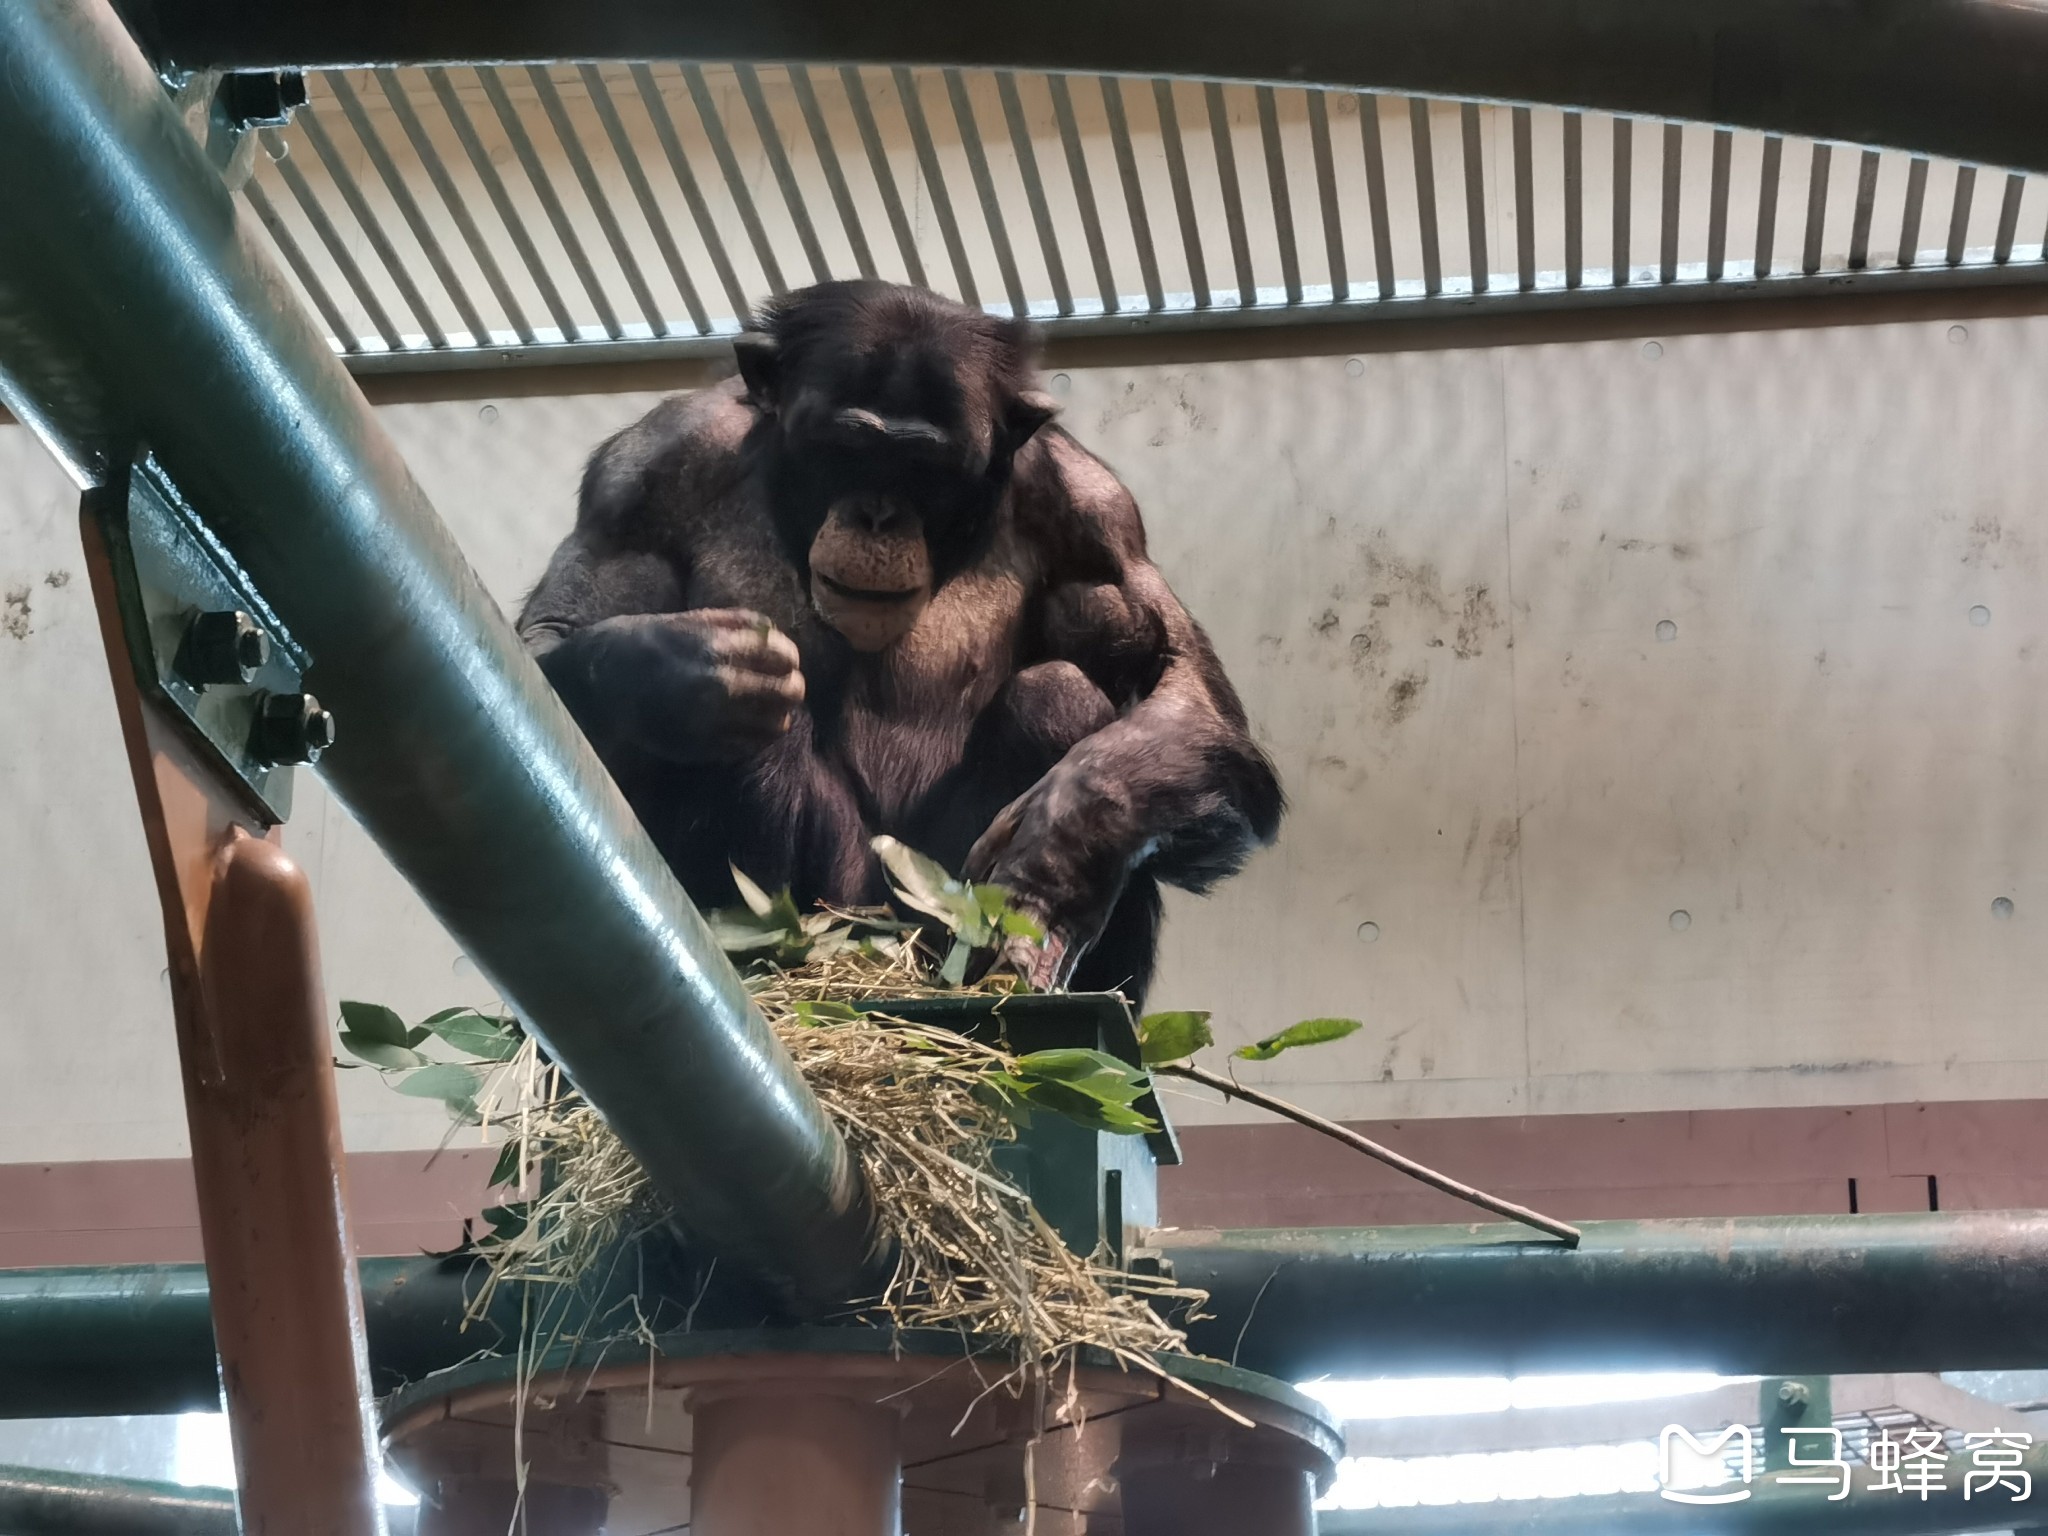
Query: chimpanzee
{"x":866,"y":588}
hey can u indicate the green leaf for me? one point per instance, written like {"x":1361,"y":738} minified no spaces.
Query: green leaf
{"x":737,"y":931}
{"x":381,"y":1053}
{"x":778,"y":911}
{"x":1307,"y":1032}
{"x":954,"y":972}
{"x":1006,"y":1095}
{"x":450,"y":1082}
{"x":477,"y":1034}
{"x":506,"y":1221}
{"x":994,"y":900}
{"x":831,"y":942}
{"x":1174,"y":1036}
{"x":1084,"y":1109}
{"x":509,"y":1166}
{"x":1075,"y":1064}
{"x":920,"y":881}
{"x":821,"y":1012}
{"x":1097,"y":1074}
{"x":372,"y":1021}
{"x":446,"y":1013}
{"x":924,"y":884}
{"x":1019,"y":925}
{"x":418,"y":1034}
{"x":758,"y":901}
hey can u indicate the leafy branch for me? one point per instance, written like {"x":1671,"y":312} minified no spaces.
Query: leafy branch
{"x":980,"y":916}
{"x":1169,"y":1040}
{"x":379,"y":1037}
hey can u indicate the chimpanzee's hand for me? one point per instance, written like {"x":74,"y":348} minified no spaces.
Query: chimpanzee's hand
{"x":706,"y":685}
{"x":1058,"y":849}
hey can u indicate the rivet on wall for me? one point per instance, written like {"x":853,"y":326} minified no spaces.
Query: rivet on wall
{"x":1958,"y":334}
{"x":2001,"y":908}
{"x":1355,"y":368}
{"x":1980,"y":615}
{"x":1062,"y":383}
{"x":1680,"y":921}
{"x":487,"y":414}
{"x":1368,"y":933}
{"x":1653,"y":350}
{"x":1666,"y":630}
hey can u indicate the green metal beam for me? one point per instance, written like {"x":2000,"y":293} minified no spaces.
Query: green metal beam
{"x":1952,"y":77}
{"x":91,"y":1341}
{"x":39,"y":1503}
{"x":1765,"y":1295}
{"x":137,"y":308}
{"x":1779,"y":1295}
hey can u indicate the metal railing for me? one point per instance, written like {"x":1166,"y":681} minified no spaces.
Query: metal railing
{"x":445,"y":216}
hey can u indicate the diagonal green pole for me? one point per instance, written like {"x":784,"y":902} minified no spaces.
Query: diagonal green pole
{"x":138,"y":309}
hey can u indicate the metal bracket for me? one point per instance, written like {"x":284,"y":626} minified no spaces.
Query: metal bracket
{"x":224,"y":111}
{"x":203,"y":642}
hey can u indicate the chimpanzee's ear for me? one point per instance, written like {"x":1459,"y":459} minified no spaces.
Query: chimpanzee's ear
{"x":760,"y":358}
{"x":1030,"y":410}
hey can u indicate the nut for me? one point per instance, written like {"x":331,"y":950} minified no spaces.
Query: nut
{"x":222,"y":647}
{"x":290,"y":728}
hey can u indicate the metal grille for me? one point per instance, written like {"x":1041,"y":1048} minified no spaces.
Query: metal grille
{"x":443,"y":217}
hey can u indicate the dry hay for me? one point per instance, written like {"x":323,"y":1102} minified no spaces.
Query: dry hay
{"x":972,"y":1255}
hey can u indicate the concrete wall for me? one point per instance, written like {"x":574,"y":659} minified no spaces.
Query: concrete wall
{"x":1438,"y":578}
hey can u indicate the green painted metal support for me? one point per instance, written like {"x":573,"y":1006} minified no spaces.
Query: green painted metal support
{"x":39,"y":1503}
{"x":1963,"y":78}
{"x":1767,"y":1296}
{"x":138,"y":309}
{"x":1949,"y":1290}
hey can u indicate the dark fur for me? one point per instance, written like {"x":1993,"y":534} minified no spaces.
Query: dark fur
{"x":1054,"y":679}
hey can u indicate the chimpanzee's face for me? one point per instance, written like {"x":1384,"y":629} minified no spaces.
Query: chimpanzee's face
{"x":891,"y":458}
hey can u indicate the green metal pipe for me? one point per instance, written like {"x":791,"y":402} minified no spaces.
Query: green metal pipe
{"x":1963,"y":78}
{"x":76,"y":1343}
{"x":1777,"y":1295}
{"x":136,"y":307}
{"x":39,"y":1503}
{"x":92,"y":1341}
{"x":1795,"y":1295}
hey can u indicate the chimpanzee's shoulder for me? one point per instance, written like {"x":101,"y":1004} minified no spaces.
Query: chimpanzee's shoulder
{"x":680,"y":456}
{"x":1075,"y":509}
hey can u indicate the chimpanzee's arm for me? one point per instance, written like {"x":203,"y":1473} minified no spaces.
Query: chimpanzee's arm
{"x":1175,"y":785}
{"x":607,"y":622}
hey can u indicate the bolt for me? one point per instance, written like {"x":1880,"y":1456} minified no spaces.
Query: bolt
{"x":1794,"y":1393}
{"x":290,"y":728}
{"x":222,"y":647}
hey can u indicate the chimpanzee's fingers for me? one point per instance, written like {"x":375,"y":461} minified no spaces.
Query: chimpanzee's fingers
{"x":726,"y":618}
{"x":771,"y":652}
{"x":993,"y":843}
{"x":756,"y":648}
{"x":762,"y":692}
{"x":1044,"y":967}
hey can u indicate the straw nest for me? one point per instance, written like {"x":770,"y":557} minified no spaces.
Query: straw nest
{"x":972,"y":1255}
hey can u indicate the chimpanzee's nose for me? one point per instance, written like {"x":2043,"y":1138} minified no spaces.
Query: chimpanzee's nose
{"x":877,"y":514}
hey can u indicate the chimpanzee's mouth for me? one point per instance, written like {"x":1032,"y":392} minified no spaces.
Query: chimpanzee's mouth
{"x":867,"y":595}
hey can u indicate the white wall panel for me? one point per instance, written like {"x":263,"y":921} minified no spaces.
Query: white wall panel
{"x":1437,"y":579}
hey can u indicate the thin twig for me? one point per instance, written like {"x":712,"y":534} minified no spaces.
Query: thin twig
{"x":1563,"y":1231}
